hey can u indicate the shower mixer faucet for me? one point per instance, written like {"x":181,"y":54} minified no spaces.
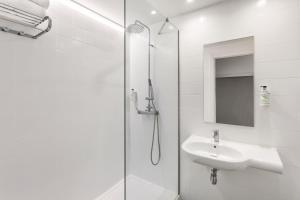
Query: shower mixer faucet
{"x":150,"y":109}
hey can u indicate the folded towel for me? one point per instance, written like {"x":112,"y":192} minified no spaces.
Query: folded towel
{"x":43,"y":3}
{"x":26,"y":6}
{"x":21,"y":11}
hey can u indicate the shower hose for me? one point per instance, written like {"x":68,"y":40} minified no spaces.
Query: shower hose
{"x":155,"y":131}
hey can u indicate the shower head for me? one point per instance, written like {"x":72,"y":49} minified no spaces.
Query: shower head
{"x":167,"y":27}
{"x":135,"y":28}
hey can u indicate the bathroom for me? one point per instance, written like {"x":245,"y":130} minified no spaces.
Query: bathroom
{"x":133,"y":100}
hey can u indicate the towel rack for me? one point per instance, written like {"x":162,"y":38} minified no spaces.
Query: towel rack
{"x":23,"y":18}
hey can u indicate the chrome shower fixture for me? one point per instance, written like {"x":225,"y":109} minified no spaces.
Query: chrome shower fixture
{"x":149,"y":110}
{"x":135,"y":28}
{"x":139,"y":27}
{"x":167,"y":27}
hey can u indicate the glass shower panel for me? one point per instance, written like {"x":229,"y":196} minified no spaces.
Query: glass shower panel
{"x":61,"y":103}
{"x":152,"y":106}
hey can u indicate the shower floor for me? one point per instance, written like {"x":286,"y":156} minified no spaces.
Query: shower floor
{"x":137,"y":189}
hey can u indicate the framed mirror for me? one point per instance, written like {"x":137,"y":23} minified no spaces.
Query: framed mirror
{"x":229,"y":82}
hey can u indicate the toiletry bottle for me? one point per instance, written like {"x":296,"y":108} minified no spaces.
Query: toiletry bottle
{"x":264,"y":96}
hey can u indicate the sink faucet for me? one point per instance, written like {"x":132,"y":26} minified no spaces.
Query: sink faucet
{"x":216,"y":136}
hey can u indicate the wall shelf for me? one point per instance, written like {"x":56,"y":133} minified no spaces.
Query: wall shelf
{"x":22,"y":23}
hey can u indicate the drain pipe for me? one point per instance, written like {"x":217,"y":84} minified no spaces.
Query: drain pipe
{"x":213,"y":176}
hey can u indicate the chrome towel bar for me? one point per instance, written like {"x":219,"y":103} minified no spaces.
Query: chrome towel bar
{"x":23,"y":19}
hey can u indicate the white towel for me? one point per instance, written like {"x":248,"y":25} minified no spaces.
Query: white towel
{"x":43,"y":3}
{"x":26,"y":6}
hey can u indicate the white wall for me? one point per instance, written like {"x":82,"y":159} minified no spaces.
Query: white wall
{"x":165,"y":80}
{"x":61,"y":110}
{"x":234,"y":66}
{"x":276,"y":28}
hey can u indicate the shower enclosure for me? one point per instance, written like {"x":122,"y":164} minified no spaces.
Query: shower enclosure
{"x":65,"y":132}
{"x":152,"y":104}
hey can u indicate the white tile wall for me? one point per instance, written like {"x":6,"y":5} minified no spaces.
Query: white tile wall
{"x":276,"y":28}
{"x":61,"y":110}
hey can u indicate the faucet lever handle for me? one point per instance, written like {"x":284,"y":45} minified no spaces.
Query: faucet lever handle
{"x":216,"y":136}
{"x":216,"y":132}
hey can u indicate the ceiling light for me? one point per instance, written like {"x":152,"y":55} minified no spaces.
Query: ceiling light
{"x":92,"y":14}
{"x":153,"y":12}
{"x":202,"y":19}
{"x":171,"y":27}
{"x":189,"y":1}
{"x":261,"y":3}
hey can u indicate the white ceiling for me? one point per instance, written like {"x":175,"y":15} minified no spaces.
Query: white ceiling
{"x":172,"y":8}
{"x":113,"y":9}
{"x":140,"y":9}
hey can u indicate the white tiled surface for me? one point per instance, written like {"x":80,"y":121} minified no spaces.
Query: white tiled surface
{"x":141,"y":189}
{"x":276,"y":28}
{"x":61,"y":110}
{"x":116,"y":192}
{"x":137,"y":189}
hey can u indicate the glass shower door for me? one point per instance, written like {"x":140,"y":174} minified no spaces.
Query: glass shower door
{"x":152,"y":104}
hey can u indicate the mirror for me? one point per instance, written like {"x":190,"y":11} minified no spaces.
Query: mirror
{"x":229,"y":82}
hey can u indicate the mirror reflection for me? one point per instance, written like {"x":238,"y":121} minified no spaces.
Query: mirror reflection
{"x":234,"y":90}
{"x":229,"y":82}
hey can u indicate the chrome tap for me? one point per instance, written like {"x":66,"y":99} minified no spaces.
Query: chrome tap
{"x":216,"y":136}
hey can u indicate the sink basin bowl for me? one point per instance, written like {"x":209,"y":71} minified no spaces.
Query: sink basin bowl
{"x":203,"y":151}
{"x":228,"y":155}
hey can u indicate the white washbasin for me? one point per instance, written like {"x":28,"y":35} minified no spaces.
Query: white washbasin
{"x":221,"y":157}
{"x":231,"y":155}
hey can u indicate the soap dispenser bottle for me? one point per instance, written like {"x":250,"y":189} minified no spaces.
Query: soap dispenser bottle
{"x":264,"y":96}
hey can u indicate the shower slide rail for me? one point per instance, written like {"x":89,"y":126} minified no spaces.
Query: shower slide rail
{"x":20,"y":19}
